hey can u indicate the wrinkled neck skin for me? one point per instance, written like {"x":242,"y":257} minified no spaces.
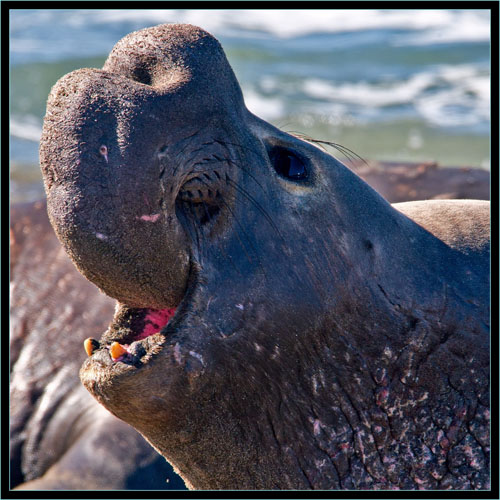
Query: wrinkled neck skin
{"x":276,"y":365}
{"x":321,"y":338}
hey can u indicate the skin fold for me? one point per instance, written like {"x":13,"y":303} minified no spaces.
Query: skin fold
{"x":322,"y":337}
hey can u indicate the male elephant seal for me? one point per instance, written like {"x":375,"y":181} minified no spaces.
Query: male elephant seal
{"x":281,"y":324}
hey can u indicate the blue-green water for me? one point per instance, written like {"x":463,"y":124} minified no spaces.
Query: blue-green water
{"x":388,"y":84}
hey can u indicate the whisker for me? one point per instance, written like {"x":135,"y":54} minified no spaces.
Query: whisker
{"x":345,"y":150}
{"x":191,"y":228}
{"x":246,"y":235}
{"x":187,"y":143}
{"x":348,"y":153}
{"x":304,"y":137}
{"x":224,"y":143}
{"x":255,"y":203}
{"x":256,"y":153}
{"x":229,"y":160}
{"x":232,"y":213}
{"x":282,"y":126}
{"x":220,"y":247}
{"x":218,"y":160}
{"x":233,"y":162}
{"x":237,"y":222}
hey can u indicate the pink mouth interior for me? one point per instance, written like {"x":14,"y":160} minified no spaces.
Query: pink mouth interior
{"x":154,"y":321}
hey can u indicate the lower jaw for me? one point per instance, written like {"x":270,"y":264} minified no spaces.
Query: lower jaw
{"x":113,"y":381}
{"x":138,"y":352}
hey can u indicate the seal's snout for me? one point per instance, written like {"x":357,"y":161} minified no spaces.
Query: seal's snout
{"x":106,"y":165}
{"x":172,"y":56}
{"x":129,"y":155}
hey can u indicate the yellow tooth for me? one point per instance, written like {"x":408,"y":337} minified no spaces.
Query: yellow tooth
{"x":116,"y":350}
{"x":89,"y":344}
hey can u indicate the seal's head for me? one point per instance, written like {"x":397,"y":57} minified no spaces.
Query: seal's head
{"x":107,"y":141}
{"x":272,"y":305}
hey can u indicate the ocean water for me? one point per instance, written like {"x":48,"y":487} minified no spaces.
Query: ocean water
{"x":396,"y":85}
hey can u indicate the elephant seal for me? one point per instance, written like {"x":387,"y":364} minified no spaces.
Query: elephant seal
{"x":281,"y":325}
{"x":398,"y":182}
{"x":61,"y":438}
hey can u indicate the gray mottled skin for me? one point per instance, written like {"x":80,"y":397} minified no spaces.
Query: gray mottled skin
{"x":323,"y":338}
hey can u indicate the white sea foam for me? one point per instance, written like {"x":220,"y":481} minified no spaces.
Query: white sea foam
{"x":456,"y":26}
{"x":440,"y":25}
{"x":446,"y":95}
{"x":28,"y":36}
{"x":268,"y":108}
{"x":26,"y":127}
{"x":465,"y":101}
{"x":299,"y":88}
{"x":369,"y":94}
{"x":428,"y":26}
{"x":453,"y":107}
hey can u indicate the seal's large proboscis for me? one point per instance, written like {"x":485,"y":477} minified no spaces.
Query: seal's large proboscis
{"x":281,"y":324}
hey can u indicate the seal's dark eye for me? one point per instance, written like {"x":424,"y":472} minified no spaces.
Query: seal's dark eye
{"x":287,"y":164}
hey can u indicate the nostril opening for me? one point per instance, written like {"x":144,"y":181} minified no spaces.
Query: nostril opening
{"x":200,"y":194}
{"x":207,"y":177}
{"x":141,"y":75}
{"x":217,"y":174}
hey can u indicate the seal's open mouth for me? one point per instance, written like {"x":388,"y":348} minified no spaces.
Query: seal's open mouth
{"x":133,"y":335}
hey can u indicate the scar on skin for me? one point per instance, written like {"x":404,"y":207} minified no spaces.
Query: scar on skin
{"x":149,"y":218}
{"x":317,"y":424}
{"x":103,"y":150}
{"x":101,"y":236}
{"x":197,"y":356}
{"x":177,"y":354}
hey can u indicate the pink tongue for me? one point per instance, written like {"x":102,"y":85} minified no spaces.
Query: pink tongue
{"x":155,"y":320}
